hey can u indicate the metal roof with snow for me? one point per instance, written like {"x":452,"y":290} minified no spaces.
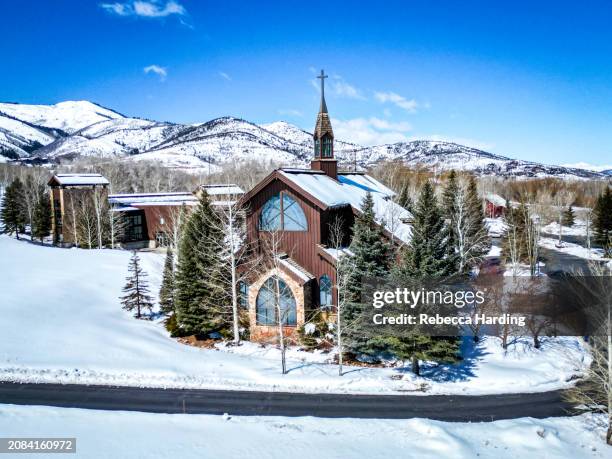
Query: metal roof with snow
{"x":153,"y":199}
{"x":78,"y":180}
{"x":224,"y":189}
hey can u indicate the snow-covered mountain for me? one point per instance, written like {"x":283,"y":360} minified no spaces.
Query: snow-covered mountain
{"x":53,"y":133}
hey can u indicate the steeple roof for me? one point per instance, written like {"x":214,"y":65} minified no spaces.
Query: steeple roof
{"x":323,"y":125}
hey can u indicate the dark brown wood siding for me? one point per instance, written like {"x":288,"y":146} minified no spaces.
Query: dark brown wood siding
{"x":301,"y":246}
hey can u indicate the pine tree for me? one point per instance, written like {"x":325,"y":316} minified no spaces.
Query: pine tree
{"x":477,"y":239}
{"x":166,"y":292}
{"x":404,"y":199}
{"x":14,"y":214}
{"x":427,"y":255}
{"x":449,"y":195}
{"x":569,"y":217}
{"x":42,"y":218}
{"x":371,"y":258}
{"x":136,"y":289}
{"x":602,"y":221}
{"x":199,"y":281}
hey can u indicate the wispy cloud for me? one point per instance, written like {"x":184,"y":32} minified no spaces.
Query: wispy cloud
{"x":410,"y":105}
{"x":289,"y":112}
{"x":225,"y":76}
{"x":371,"y":131}
{"x":341,"y":88}
{"x":162,"y":72}
{"x":147,"y":9}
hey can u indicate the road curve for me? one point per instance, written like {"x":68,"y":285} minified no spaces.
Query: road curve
{"x":456,"y":408}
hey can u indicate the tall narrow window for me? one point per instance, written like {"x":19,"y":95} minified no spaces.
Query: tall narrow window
{"x":327,"y":147}
{"x":325,"y":290}
{"x":273,"y":290}
{"x":243,"y":294}
{"x":317,"y":148}
{"x":282,"y":212}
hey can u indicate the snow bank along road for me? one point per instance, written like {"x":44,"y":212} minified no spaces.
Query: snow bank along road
{"x":458,"y":408}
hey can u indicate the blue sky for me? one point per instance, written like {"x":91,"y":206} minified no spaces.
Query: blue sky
{"x":523,"y":80}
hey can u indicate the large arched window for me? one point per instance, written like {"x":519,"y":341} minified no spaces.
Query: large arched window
{"x":325,"y":291}
{"x":282,"y":212}
{"x":272,"y":289}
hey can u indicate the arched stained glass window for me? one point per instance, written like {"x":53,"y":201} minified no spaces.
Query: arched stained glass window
{"x":282,"y":212}
{"x":272,"y":289}
{"x":325,"y":290}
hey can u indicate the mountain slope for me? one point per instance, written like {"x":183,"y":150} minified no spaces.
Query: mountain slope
{"x":67,"y":130}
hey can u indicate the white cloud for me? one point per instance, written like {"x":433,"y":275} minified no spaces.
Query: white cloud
{"x":341,"y":88}
{"x":370,"y":131}
{"x":409,"y":105}
{"x":289,"y":112}
{"x":225,"y":76}
{"x":162,"y":72}
{"x":148,"y":9}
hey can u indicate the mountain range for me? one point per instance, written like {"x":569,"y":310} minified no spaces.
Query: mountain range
{"x":48,"y":134}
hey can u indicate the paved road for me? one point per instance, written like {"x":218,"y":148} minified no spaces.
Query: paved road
{"x":446,"y":408}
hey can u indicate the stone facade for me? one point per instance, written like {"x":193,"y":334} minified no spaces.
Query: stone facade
{"x":269,"y":333}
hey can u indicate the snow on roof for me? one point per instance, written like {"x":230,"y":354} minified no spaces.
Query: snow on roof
{"x":337,"y":253}
{"x":79,"y":179}
{"x":351,"y":189}
{"x":153,"y":199}
{"x":496,"y":200}
{"x":229,"y":188}
{"x":292,"y":266}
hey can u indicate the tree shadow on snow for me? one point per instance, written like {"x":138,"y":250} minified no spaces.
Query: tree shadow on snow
{"x":462,"y":370}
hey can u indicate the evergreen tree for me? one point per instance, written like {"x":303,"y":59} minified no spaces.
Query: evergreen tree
{"x":42,"y":217}
{"x":602,"y":221}
{"x":136,"y":289}
{"x":371,"y":258}
{"x":404,"y":199}
{"x":448,"y":196}
{"x":514,"y":244}
{"x":569,"y":217}
{"x":427,"y":257}
{"x":477,"y":239}
{"x":201,"y":276}
{"x":14,"y":213}
{"x":166,"y":292}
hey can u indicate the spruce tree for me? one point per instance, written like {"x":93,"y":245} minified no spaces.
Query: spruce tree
{"x":427,"y":257}
{"x":569,"y":217}
{"x":449,"y":195}
{"x":42,"y":218}
{"x":14,"y":214}
{"x":404,"y":199}
{"x":200,"y":280}
{"x":136,"y":289}
{"x":602,"y":221}
{"x":166,"y":292}
{"x":371,"y":259}
{"x":477,"y":238}
{"x":427,"y":254}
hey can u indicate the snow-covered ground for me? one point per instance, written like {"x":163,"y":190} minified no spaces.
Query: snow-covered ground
{"x":579,"y":228}
{"x":61,"y":321}
{"x":117,"y":434}
{"x":570,"y":248}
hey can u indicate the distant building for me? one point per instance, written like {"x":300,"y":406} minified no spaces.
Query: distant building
{"x":147,"y":220}
{"x":72,"y":195}
{"x":495,"y":205}
{"x":221,"y":194}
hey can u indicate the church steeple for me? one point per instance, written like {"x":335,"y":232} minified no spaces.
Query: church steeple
{"x":324,"y":138}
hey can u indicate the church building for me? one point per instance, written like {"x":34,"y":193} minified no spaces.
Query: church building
{"x":289,"y":218}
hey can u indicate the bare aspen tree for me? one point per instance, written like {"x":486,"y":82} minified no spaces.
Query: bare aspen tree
{"x":561,"y":200}
{"x":343,"y":270}
{"x":100,"y":203}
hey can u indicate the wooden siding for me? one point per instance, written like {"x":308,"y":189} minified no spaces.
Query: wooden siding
{"x":301,"y":246}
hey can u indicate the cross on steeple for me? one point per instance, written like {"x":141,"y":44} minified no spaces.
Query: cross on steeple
{"x":322,"y":76}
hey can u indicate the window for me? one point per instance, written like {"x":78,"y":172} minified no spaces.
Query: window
{"x":162,"y":239}
{"x":282,"y":212}
{"x":133,"y":227}
{"x":266,"y":304}
{"x":327,"y":147}
{"x":243,"y":295}
{"x":317,"y":146}
{"x":325,"y":291}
